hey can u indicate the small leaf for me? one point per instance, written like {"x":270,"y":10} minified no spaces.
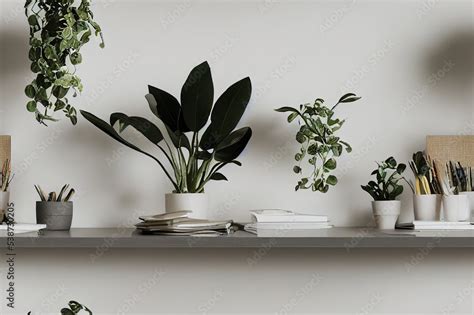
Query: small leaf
{"x":292,"y":117}
{"x":391,"y":162}
{"x":286,"y":109}
{"x":401,"y":168}
{"x":332,"y":180}
{"x":30,"y":91}
{"x":31,"y":106}
{"x":218,"y":176}
{"x":330,"y":164}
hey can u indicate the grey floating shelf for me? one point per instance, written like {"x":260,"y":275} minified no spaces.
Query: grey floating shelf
{"x":347,"y":238}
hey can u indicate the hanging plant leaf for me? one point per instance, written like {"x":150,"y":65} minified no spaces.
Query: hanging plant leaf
{"x":197,"y":96}
{"x":227,"y":112}
{"x":231,"y":147}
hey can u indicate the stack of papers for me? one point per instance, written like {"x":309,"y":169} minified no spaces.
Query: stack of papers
{"x":178,"y":223}
{"x":436,"y":225}
{"x":22,"y":227}
{"x":285,"y":220}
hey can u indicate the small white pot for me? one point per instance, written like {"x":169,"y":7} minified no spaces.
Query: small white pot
{"x":427,"y":207}
{"x":4,"y":201}
{"x":386,"y":213}
{"x":470,"y":196}
{"x":456,"y":208}
{"x":195,"y":202}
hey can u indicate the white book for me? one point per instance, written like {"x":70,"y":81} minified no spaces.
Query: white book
{"x":436,"y":225}
{"x":277,"y":215}
{"x":254,"y":227}
{"x":439,"y":223}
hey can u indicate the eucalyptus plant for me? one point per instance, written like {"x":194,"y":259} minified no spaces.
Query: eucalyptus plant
{"x":195,"y":157}
{"x":320,"y":145}
{"x":388,"y":175}
{"x":58,"y":30}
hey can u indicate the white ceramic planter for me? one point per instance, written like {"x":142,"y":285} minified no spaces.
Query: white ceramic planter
{"x":4,"y":201}
{"x":195,"y":202}
{"x":427,"y":207}
{"x":456,"y":208}
{"x":386,"y":213}
{"x":470,"y":196}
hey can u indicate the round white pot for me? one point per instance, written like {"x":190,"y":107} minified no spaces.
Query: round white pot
{"x":470,"y":196}
{"x":386,"y":213}
{"x":456,"y":208}
{"x":195,"y":202}
{"x":427,"y":207}
{"x":4,"y":201}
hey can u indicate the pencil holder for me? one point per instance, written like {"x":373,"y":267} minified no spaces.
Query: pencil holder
{"x":427,"y":207}
{"x":455,"y":208}
{"x":57,"y":215}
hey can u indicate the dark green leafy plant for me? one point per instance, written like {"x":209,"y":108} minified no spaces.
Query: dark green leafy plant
{"x":198,"y":159}
{"x":388,"y":175}
{"x":58,"y":30}
{"x":319,"y":143}
{"x":73,"y":309}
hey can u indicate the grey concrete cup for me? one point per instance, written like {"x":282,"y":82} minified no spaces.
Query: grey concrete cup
{"x":56,"y":215}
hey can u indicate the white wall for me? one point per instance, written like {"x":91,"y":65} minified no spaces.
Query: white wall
{"x":384,"y":51}
{"x":392,"y":53}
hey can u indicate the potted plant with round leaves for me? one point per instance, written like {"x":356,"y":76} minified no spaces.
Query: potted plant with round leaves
{"x":385,"y":191}
{"x":194,"y":154}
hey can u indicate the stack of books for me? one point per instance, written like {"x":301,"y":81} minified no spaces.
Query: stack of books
{"x":179,"y":223}
{"x":435,"y":225}
{"x":285,"y":220}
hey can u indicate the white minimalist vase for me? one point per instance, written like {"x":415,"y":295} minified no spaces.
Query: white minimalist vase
{"x":427,"y":207}
{"x":195,"y":202}
{"x":470,"y":196}
{"x":456,"y":208}
{"x":386,"y":213}
{"x":4,"y":201}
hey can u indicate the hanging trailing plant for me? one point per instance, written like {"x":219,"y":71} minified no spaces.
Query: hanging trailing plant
{"x":319,"y":142}
{"x":58,"y":30}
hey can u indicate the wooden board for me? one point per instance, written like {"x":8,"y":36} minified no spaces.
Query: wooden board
{"x":451,"y":148}
{"x":5,"y":149}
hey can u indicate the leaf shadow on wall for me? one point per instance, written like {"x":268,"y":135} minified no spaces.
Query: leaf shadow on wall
{"x":107,"y":157}
{"x":449,"y":67}
{"x":14,"y":68}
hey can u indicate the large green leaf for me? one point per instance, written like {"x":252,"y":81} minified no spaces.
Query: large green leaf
{"x":231,"y":147}
{"x":227,"y":112}
{"x":167,"y":110}
{"x":142,"y":125}
{"x":197,"y":96}
{"x":179,"y":139}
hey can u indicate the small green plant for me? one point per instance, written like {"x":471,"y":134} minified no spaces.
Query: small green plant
{"x":388,"y":175}
{"x":319,"y":142}
{"x":73,"y":309}
{"x":6,"y":176}
{"x":196,"y":160}
{"x":58,"y":30}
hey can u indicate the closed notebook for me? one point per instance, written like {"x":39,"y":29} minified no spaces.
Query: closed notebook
{"x":276,"y":216}
{"x":436,"y":225}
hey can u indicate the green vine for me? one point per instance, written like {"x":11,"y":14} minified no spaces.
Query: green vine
{"x":58,"y":30}
{"x":317,"y":136}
